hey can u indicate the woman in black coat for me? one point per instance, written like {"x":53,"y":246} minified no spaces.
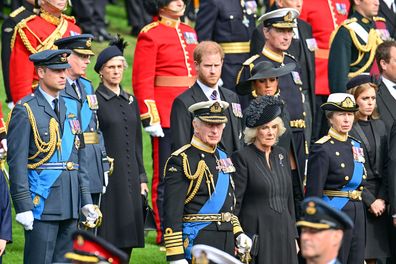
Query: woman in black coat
{"x":371,"y":132}
{"x":119,"y":121}
{"x":263,"y":185}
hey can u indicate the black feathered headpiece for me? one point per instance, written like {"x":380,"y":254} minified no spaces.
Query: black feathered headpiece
{"x":262,"y":110}
{"x":116,"y":48}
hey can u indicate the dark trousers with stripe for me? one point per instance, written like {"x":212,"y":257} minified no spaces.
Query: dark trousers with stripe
{"x":161,"y":153}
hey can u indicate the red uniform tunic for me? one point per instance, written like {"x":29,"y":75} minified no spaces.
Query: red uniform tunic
{"x":2,"y":124}
{"x":324,"y":17}
{"x":163,"y":68}
{"x":34,"y":34}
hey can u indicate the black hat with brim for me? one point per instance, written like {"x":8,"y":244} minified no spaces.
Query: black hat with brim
{"x":52,"y":59}
{"x":340,"y":102}
{"x":359,"y":80}
{"x":318,"y":214}
{"x":210,"y":111}
{"x":263,"y":70}
{"x":262,"y":110}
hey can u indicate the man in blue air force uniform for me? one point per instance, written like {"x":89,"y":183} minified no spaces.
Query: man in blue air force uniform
{"x":80,"y":90}
{"x":48,"y":185}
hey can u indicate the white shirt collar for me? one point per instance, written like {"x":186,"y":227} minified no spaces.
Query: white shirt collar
{"x":208,"y":90}
{"x":390,"y":86}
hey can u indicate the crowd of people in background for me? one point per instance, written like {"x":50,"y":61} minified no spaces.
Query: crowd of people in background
{"x":272,"y":128}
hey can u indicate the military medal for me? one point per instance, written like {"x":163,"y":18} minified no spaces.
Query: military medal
{"x":383,"y":33}
{"x":191,"y":38}
{"x":251,"y":7}
{"x":92,"y":101}
{"x":341,"y":9}
{"x":245,"y":21}
{"x":75,"y":126}
{"x":296,"y":78}
{"x":358,"y":154}
{"x":237,"y":110}
{"x":77,"y":142}
{"x":311,"y":44}
{"x":225,"y":165}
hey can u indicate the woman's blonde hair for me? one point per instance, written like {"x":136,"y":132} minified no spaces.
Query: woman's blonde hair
{"x":357,"y":91}
{"x":251,"y":133}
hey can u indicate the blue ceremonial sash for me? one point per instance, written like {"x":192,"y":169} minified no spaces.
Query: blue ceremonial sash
{"x":40,"y":183}
{"x":340,"y":202}
{"x":212,"y":206}
{"x":86,"y":112}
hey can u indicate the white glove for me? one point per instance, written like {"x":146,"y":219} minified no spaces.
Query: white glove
{"x":26,"y":219}
{"x":243,"y":243}
{"x":3,"y":143}
{"x":180,"y":261}
{"x":155,"y":130}
{"x":89,"y":212}
{"x":105,"y":181}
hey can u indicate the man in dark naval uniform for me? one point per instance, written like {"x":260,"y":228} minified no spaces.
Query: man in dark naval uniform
{"x":302,"y":47}
{"x":278,"y":32}
{"x":322,"y":228}
{"x":81,"y":90}
{"x":208,"y":59}
{"x":48,"y":180}
{"x":7,"y":31}
{"x":199,"y":191}
{"x":352,"y":50}
{"x":230,"y":23}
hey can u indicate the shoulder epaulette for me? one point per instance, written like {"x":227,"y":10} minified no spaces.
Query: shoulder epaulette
{"x":251,"y":59}
{"x":181,"y":150}
{"x":70,"y":18}
{"x":149,"y":26}
{"x":17,"y":11}
{"x":323,"y":139}
{"x":349,"y":21}
{"x":26,"y":99}
{"x":289,"y":55}
{"x":382,"y":19}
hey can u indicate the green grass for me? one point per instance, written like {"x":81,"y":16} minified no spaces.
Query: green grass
{"x":118,"y":24}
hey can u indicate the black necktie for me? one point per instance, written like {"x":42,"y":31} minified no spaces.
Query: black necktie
{"x":77,"y":90}
{"x":56,"y":108}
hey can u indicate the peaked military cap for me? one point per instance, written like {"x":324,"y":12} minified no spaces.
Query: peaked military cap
{"x":208,"y":254}
{"x":280,"y":18}
{"x":210,"y":111}
{"x":88,"y":248}
{"x":79,"y":43}
{"x":262,"y":110}
{"x":359,"y":80}
{"x":320,"y":215}
{"x":263,"y":70}
{"x":53,"y":59}
{"x":341,"y":102}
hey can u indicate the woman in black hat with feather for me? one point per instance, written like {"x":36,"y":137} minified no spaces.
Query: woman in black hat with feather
{"x":263,"y":184}
{"x":119,"y":121}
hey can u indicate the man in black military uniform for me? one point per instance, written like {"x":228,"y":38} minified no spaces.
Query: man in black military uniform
{"x":387,"y":10}
{"x":278,"y":32}
{"x":230,"y":23}
{"x":302,"y":48}
{"x":206,"y":88}
{"x":199,"y":191}
{"x":82,"y":92}
{"x":322,"y":228}
{"x":7,"y":31}
{"x":352,"y":50}
{"x":48,"y":180}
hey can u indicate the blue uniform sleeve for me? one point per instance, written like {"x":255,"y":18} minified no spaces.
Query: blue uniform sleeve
{"x":5,"y":214}
{"x":318,"y":168}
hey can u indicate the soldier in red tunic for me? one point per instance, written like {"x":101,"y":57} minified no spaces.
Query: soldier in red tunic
{"x":324,"y":16}
{"x":34,"y":34}
{"x":163,"y":68}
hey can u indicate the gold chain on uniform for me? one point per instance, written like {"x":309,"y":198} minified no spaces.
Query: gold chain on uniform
{"x":42,"y":146}
{"x":202,"y":170}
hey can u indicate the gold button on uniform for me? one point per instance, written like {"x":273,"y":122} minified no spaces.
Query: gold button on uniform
{"x":346,"y":178}
{"x":361,"y":188}
{"x":342,"y":165}
{"x":337,"y":153}
{"x":331,"y":141}
{"x":364,"y":177}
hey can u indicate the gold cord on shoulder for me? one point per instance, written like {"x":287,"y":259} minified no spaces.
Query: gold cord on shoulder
{"x":197,"y":177}
{"x":49,"y":147}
